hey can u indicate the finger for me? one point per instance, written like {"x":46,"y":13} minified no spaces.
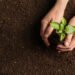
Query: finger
{"x":69,"y":37}
{"x":47,"y":34}
{"x":68,"y":40}
{"x":61,"y":46}
{"x":43,"y":27}
{"x":42,"y":32}
{"x":48,"y":31}
{"x":72,"y":44}
{"x":46,"y":41}
{"x":65,"y":49}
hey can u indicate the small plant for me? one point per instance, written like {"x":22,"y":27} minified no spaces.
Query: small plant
{"x":62,"y":29}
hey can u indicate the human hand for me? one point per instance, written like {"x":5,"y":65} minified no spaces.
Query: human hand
{"x":55,"y":14}
{"x":69,"y":43}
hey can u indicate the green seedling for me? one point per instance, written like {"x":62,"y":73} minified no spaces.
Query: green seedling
{"x":62,"y":28}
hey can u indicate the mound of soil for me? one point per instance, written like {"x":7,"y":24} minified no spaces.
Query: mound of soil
{"x":21,"y":49}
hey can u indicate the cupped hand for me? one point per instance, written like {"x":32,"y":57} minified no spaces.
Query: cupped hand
{"x":69,"y":43}
{"x":55,"y":14}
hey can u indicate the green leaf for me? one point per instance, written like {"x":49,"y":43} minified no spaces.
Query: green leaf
{"x":62,"y":36}
{"x":62,"y":27}
{"x":63,"y":21}
{"x":59,"y":31}
{"x":69,"y":29}
{"x":54,"y":25}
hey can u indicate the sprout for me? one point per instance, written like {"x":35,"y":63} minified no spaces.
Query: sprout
{"x":55,"y":25}
{"x":62,"y":36}
{"x":62,"y":29}
{"x":69,"y":29}
{"x":63,"y":21}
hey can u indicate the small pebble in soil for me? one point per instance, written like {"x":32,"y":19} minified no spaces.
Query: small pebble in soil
{"x":59,"y":70}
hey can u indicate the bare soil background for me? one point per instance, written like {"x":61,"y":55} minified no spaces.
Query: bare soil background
{"x":21,"y":49}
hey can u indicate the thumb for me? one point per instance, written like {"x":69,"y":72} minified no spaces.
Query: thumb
{"x":68,"y":40}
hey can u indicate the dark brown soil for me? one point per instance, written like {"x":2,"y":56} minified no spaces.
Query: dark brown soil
{"x":21,"y":49}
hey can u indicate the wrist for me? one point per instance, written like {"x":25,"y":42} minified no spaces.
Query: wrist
{"x":61,"y":4}
{"x":62,"y":1}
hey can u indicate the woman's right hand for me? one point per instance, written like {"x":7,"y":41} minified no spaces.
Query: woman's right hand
{"x":55,"y":14}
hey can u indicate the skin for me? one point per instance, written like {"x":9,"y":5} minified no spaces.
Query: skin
{"x":69,"y":43}
{"x":56,"y":15}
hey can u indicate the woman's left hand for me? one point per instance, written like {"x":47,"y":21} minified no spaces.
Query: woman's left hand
{"x":69,"y":43}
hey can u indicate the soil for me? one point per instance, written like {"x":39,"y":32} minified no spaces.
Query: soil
{"x":22,"y":51}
